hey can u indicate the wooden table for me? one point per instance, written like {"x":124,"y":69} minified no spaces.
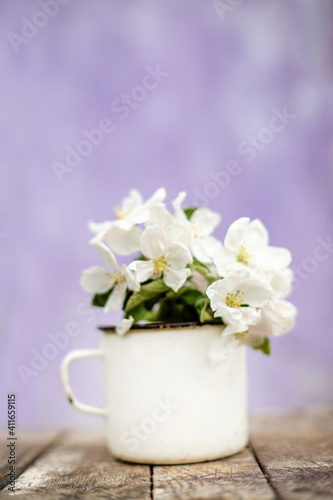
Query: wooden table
{"x":290,"y":457}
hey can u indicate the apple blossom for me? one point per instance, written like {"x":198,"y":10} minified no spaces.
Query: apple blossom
{"x":166,"y":258}
{"x":280,"y":280}
{"x":237,"y":298}
{"x":99,"y":280}
{"x":123,"y":234}
{"x":243,"y":283}
{"x":246,"y":246}
{"x":203,"y":223}
{"x":278,"y":317}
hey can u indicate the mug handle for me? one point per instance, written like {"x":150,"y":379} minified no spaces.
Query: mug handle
{"x":64,"y":371}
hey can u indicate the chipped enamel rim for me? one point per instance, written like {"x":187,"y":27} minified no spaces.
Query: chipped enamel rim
{"x":159,"y":326}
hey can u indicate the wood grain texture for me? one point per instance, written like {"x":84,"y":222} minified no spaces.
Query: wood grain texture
{"x":79,"y":465}
{"x":237,"y":477}
{"x":291,"y":459}
{"x":29,"y":445}
{"x":296,"y":452}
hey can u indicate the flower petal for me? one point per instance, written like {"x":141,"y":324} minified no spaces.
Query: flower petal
{"x":252,"y":233}
{"x":281,"y":281}
{"x":180,"y":233}
{"x":249,"y":288}
{"x":175,"y":278}
{"x":129,"y":275}
{"x":116,"y":298}
{"x":278,"y":317}
{"x":255,"y":291}
{"x":153,"y":242}
{"x":132,"y":201}
{"x":231,"y":315}
{"x":224,"y":260}
{"x":97,"y":280}
{"x":124,"y":325}
{"x":273,"y":258}
{"x":138,"y":211}
{"x":251,"y":315}
{"x":143,"y":269}
{"x":205,"y":248}
{"x":105,"y":251}
{"x":123,"y":242}
{"x":233,"y":328}
{"x":177,"y":206}
{"x":99,"y":227}
{"x":156,"y":198}
{"x":159,"y":215}
{"x":178,"y":256}
{"x":204,"y":221}
{"x":216,"y":293}
{"x":218,"y":290}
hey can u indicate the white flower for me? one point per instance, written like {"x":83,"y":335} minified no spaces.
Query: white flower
{"x":278,"y":317}
{"x":131,"y":211}
{"x":246,"y":245}
{"x":98,"y":279}
{"x":228,"y":297}
{"x":134,"y":210}
{"x":165,"y":257}
{"x":202,"y":223}
{"x":123,"y":234}
{"x":281,"y":281}
{"x":124,"y":325}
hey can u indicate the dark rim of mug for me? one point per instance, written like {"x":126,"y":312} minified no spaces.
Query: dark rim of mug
{"x":160,"y":326}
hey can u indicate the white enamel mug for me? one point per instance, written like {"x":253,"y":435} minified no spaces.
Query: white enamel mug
{"x":164,"y":402}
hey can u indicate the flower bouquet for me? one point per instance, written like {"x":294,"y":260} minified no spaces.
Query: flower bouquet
{"x":181,"y":273}
{"x":174,"y":366}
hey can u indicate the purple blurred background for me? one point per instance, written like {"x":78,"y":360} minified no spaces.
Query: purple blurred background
{"x":223,"y":77}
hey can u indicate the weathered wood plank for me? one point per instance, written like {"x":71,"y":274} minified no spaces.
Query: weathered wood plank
{"x":296,"y":452}
{"x":78,"y":466}
{"x":237,"y":477}
{"x":29,"y":445}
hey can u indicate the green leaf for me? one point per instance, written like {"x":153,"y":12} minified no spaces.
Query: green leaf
{"x":265,"y":347}
{"x":201,"y":308}
{"x":138,"y":313}
{"x":147,"y":292}
{"x":189,"y":211}
{"x":173,"y":310}
{"x":191,"y":295}
{"x":100,"y":299}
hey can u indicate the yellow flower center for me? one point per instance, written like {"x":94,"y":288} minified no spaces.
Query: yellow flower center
{"x":119,"y":213}
{"x":243,"y":255}
{"x":119,"y":278}
{"x":234,"y":299}
{"x":115,"y":279}
{"x":160,"y":265}
{"x":196,"y":230}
